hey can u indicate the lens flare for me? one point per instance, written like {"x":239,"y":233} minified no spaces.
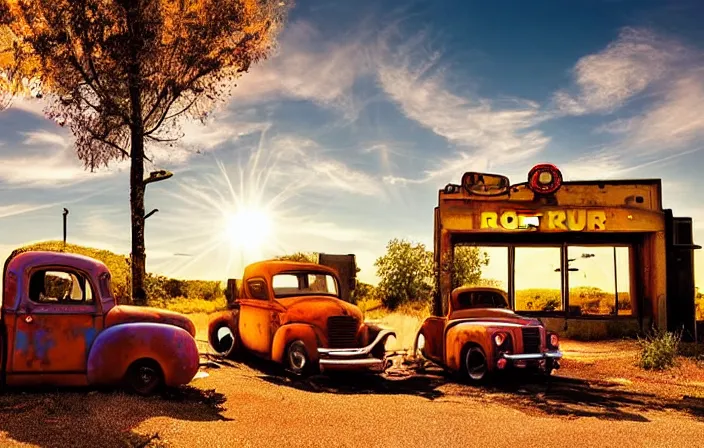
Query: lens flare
{"x":229,"y":217}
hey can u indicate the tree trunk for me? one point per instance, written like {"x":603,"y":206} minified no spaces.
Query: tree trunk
{"x":137,"y":217}
{"x":134,"y":81}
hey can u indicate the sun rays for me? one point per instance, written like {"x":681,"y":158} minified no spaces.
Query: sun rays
{"x":232,"y":216}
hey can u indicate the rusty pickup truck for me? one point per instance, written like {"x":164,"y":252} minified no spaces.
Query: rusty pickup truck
{"x":61,"y":326}
{"x":481,"y":336}
{"x":292,"y":313}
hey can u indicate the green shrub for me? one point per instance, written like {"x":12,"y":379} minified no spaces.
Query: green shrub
{"x":659,"y":350}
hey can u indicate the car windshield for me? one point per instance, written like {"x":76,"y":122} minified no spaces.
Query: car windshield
{"x":481,"y":299}
{"x":304,"y":283}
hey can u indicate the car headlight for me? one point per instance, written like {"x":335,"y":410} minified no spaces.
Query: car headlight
{"x":499,"y":339}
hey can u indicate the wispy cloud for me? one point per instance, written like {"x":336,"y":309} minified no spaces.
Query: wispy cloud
{"x":307,"y":66}
{"x":673,"y":122}
{"x":480,"y":129}
{"x":304,"y":161}
{"x":19,"y":209}
{"x":626,"y":67}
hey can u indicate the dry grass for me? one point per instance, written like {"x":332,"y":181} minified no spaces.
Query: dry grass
{"x":190,"y":306}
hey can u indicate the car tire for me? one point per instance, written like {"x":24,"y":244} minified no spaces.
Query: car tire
{"x":144,"y":377}
{"x":227,"y":346}
{"x":297,"y":360}
{"x":475,"y":367}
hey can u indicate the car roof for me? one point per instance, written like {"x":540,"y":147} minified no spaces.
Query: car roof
{"x":269,"y":268}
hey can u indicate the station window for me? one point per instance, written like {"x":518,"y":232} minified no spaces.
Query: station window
{"x":597,"y":275}
{"x":537,"y":279}
{"x":481,"y":266}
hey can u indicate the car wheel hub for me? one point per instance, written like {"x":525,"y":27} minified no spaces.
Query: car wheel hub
{"x":298,"y":359}
{"x":476,"y":364}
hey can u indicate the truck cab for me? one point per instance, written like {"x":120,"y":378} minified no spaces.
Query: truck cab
{"x":292,"y":313}
{"x":60,"y":326}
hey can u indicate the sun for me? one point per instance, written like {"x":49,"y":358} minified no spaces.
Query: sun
{"x":248,"y":229}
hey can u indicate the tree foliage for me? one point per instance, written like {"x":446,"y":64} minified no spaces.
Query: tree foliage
{"x":122,"y":73}
{"x":305,"y":257}
{"x":405,"y":273}
{"x":467,"y":266}
{"x":363,"y":291}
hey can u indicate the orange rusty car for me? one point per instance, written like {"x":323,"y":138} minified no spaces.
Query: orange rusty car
{"x":61,"y":326}
{"x":480,"y":336}
{"x":292,"y":313}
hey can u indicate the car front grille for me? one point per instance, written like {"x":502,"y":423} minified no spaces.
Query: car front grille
{"x":531,"y":340}
{"x":342,"y":331}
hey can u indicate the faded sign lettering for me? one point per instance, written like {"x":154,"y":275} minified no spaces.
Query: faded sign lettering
{"x":575,"y":220}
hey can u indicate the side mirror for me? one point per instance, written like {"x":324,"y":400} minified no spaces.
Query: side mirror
{"x":484,"y":184}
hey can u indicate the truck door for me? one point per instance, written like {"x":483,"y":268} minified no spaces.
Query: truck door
{"x":256,"y":317}
{"x":56,"y":323}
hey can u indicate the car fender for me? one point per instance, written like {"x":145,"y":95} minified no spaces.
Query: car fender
{"x":369,"y":332}
{"x":289,"y":333}
{"x":230,"y":317}
{"x":117,"y":347}
{"x":458,"y":336}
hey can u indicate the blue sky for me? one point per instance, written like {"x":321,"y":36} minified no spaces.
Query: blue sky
{"x":367,"y":108}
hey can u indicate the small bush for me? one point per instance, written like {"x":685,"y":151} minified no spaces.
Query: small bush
{"x":659,"y":350}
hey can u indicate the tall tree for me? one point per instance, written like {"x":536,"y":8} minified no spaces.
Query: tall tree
{"x":122,"y":73}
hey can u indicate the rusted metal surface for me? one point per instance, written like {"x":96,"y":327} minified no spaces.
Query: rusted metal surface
{"x":117,"y":347}
{"x":122,"y":314}
{"x":86,"y":340}
{"x":266,"y":325}
{"x":447,"y":339}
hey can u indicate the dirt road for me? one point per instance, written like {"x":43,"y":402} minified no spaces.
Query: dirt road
{"x":257,"y":406}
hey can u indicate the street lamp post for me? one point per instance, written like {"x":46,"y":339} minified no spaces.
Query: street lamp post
{"x":65,"y":215}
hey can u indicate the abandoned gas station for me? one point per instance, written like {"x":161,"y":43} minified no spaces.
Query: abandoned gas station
{"x":591,"y":259}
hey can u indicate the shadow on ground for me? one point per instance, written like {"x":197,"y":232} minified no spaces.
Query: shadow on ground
{"x":78,"y":417}
{"x":425,"y":386}
{"x":557,"y":395}
{"x":570,"y":397}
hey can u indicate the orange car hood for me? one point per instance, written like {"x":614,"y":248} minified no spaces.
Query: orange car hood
{"x":316,"y":309}
{"x":497,"y":315}
{"x":121,"y":314}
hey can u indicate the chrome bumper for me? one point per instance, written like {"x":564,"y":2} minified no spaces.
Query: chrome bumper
{"x":354,"y":358}
{"x":532,"y":356}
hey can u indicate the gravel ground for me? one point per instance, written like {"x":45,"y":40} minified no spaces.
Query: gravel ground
{"x":598,"y":399}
